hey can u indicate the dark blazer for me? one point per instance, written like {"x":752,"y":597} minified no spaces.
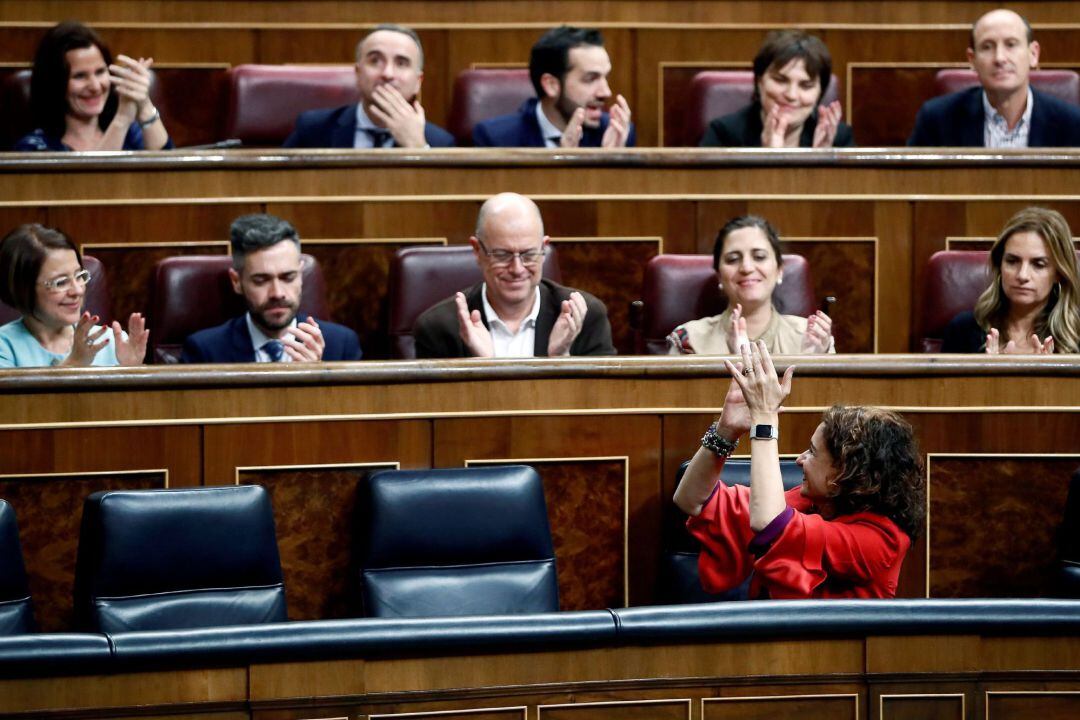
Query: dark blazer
{"x":436,"y":330}
{"x":743,"y":129}
{"x":522,"y":129}
{"x":336,"y":128}
{"x":230,"y":342}
{"x":963,"y":335}
{"x":957,"y":120}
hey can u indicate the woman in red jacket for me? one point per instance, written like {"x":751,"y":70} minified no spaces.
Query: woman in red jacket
{"x":843,"y":533}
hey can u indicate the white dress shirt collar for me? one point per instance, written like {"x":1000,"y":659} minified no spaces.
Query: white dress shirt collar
{"x":259,"y":338}
{"x":552,"y":135}
{"x":510,"y":344}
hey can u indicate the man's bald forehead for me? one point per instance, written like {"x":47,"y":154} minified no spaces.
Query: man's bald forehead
{"x":506,"y":205}
{"x":999,"y":14}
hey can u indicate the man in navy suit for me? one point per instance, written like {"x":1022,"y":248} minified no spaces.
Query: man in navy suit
{"x":1005,"y":111}
{"x":569,"y":69}
{"x":266,"y":271}
{"x":389,"y":71}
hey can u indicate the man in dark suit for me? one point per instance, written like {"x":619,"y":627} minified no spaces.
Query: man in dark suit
{"x":569,"y":69}
{"x":389,"y":72}
{"x":513,"y":313}
{"x":1005,"y":111}
{"x":267,"y":273}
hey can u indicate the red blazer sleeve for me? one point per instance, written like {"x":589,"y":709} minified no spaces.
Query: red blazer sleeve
{"x":723,"y":528}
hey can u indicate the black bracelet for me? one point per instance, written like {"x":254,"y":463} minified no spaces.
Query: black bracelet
{"x":153,"y":119}
{"x":720,"y":446}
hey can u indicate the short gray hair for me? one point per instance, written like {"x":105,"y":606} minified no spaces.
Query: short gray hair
{"x":249,"y":233}
{"x":393,"y":27}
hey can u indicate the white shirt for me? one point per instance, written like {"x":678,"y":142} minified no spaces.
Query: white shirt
{"x":259,"y":338}
{"x":510,"y":344}
{"x":362,"y":139}
{"x":996,"y":132}
{"x":552,"y":135}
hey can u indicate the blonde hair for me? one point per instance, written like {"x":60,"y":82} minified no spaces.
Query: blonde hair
{"x":1061,"y":315}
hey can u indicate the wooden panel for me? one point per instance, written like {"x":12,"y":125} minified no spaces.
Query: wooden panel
{"x":1014,"y":556}
{"x":476,"y":714}
{"x":315,"y":519}
{"x":586,"y":502}
{"x":628,"y":709}
{"x":568,"y":439}
{"x":1020,"y":705}
{"x":768,"y":707}
{"x":611,"y":269}
{"x":49,"y":513}
{"x":922,"y":707}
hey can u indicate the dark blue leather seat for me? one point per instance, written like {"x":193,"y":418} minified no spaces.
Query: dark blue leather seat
{"x":1069,"y":542}
{"x":468,"y":541}
{"x":49,"y":654}
{"x":16,"y":613}
{"x":184,"y":558}
{"x":679,"y":582}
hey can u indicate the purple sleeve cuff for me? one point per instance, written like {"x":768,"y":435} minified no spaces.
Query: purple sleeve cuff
{"x":769,"y":534}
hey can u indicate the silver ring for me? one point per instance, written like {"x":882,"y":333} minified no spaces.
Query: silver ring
{"x":89,"y":341}
{"x":748,"y":371}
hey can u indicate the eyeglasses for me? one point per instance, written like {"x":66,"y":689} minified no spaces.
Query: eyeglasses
{"x":63,"y":283}
{"x":505,"y":257}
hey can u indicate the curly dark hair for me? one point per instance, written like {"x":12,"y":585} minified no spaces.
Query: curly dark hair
{"x":879,"y":468}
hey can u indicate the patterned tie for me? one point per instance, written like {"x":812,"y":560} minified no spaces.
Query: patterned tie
{"x":274,"y":349}
{"x":378,"y":136}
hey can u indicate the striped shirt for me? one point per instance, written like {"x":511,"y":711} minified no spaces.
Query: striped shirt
{"x":996,"y":132}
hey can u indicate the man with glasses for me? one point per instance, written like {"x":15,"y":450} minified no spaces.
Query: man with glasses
{"x":514,"y":312}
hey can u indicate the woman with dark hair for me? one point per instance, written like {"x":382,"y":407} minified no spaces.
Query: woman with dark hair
{"x":843,"y":533}
{"x":42,"y":276}
{"x":82,"y":100}
{"x":1033,"y":302}
{"x":748,"y":264}
{"x":792,"y":71}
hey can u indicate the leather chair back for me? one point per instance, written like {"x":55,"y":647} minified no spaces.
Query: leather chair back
{"x":680,"y":288}
{"x":953,"y":281}
{"x":715,"y":93}
{"x":16,"y":612}
{"x":97,"y":300}
{"x":265,"y":99}
{"x":178,"y":559}
{"x":679,"y":579}
{"x":1069,"y":541}
{"x":484,"y":93}
{"x":423,"y":275}
{"x":456,"y":541}
{"x":193,"y":292}
{"x":1061,"y":83}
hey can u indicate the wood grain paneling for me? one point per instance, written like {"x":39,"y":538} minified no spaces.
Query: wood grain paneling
{"x":642,"y":710}
{"x":1016,"y":554}
{"x":49,"y":512}
{"x":767,"y":707}
{"x":1045,"y":704}
{"x":315,"y":519}
{"x":922,"y":707}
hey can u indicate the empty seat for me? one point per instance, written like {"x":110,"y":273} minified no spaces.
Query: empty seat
{"x":1062,"y":84}
{"x":1069,"y":541}
{"x":680,"y":288}
{"x":16,"y":612}
{"x":193,"y":292}
{"x":457,"y":541}
{"x":97,"y":300}
{"x":174,"y":559}
{"x":954,"y":280}
{"x":421,"y":276}
{"x":715,"y":93}
{"x":483,"y":93}
{"x":679,"y":580}
{"x":265,"y":99}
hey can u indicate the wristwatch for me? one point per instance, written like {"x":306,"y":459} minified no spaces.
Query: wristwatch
{"x":765,"y":432}
{"x":720,"y":446}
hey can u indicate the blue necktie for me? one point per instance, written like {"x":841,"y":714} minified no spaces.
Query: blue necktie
{"x":378,"y":136}
{"x":274,"y":349}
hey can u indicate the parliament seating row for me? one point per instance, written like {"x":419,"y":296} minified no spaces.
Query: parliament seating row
{"x":191,"y":293}
{"x":264,"y":100}
{"x":442,"y":542}
{"x":98,"y":654}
